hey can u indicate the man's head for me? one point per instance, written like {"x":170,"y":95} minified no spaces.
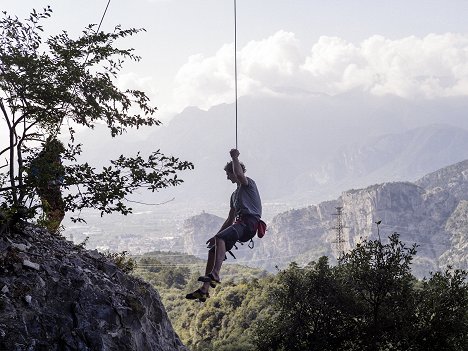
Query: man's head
{"x":230,"y":173}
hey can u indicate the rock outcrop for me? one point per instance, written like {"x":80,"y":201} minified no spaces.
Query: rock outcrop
{"x":197,"y":230}
{"x":457,"y":224}
{"x":55,"y":295}
{"x":432,"y":212}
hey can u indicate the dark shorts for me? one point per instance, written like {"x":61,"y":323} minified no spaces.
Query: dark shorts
{"x":240,"y":231}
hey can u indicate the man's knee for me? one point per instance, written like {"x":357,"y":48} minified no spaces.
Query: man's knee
{"x":220,"y":241}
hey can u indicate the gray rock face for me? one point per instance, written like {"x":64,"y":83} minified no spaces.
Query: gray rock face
{"x":197,"y":230}
{"x":453,"y":179}
{"x":432,"y":212}
{"x":456,"y":226}
{"x":57,"y":296}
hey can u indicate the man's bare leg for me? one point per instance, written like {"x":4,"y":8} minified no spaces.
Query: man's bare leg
{"x":211,"y":261}
{"x":209,"y":267}
{"x":220,"y":254}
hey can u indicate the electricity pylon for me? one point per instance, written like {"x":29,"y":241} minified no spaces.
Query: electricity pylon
{"x":339,"y":240}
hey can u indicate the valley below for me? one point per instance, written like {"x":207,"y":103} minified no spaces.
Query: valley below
{"x":431,"y":212}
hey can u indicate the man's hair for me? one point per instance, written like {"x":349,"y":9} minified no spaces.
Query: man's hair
{"x":228,"y":167}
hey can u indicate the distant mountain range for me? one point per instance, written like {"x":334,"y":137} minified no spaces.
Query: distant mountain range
{"x":431,"y":212}
{"x":302,"y":150}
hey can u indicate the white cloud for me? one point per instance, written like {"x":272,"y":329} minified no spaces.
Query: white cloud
{"x":132,"y":80}
{"x":429,"y":67}
{"x":148,"y":85}
{"x":273,"y":61}
{"x":262,"y":65}
{"x":205,"y":82}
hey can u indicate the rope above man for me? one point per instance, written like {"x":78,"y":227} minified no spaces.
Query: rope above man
{"x":241,"y":225}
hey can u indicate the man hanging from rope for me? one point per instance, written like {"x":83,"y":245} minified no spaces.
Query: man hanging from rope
{"x":240,"y":225}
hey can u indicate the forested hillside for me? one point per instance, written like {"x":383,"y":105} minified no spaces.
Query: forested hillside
{"x":369,"y":301}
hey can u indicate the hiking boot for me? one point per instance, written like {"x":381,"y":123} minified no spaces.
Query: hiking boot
{"x":197,"y":294}
{"x":209,"y":279}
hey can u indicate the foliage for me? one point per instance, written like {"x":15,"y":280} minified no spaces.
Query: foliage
{"x":46,"y":85}
{"x":82,"y":245}
{"x":370,"y":301}
{"x":379,"y":277}
{"x":224,"y":321}
{"x":312,"y":309}
{"x":442,"y":312}
{"x":122,"y":260}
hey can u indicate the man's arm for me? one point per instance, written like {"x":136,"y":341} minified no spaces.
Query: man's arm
{"x":237,"y":168}
{"x":229,"y":220}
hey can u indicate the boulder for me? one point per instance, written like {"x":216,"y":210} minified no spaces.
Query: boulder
{"x":58,"y":296}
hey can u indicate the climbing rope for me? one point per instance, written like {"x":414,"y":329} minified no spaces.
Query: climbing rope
{"x":235,"y":60}
{"x":57,"y":131}
{"x":103,"y":15}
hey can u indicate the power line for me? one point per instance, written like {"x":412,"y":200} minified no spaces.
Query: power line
{"x":202,"y":264}
{"x":303,"y":241}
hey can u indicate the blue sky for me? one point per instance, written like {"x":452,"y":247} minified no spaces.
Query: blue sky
{"x":410,"y":48}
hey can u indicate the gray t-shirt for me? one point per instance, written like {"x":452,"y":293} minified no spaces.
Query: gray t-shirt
{"x":246,"y":200}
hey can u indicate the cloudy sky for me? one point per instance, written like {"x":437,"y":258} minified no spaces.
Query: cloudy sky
{"x":411,"y":48}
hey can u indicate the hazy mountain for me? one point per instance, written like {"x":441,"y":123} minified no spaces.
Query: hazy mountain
{"x":300,"y":151}
{"x":197,"y":230}
{"x":303,"y":150}
{"x":432,"y":212}
{"x":403,"y":156}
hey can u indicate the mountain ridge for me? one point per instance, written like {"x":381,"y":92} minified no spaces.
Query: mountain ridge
{"x":309,"y":149}
{"x":430,"y":212}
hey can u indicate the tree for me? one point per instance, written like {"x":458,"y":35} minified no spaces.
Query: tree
{"x":313,"y":311}
{"x":370,"y":301}
{"x":46,"y":85}
{"x":442,"y":312}
{"x":364,"y":303}
{"x":379,"y":277}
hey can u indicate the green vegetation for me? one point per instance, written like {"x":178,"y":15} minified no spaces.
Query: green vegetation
{"x":369,"y":301}
{"x":48,"y":87}
{"x":224,"y":321}
{"x":122,"y":260}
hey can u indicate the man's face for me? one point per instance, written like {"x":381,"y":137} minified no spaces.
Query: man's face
{"x":231,"y":176}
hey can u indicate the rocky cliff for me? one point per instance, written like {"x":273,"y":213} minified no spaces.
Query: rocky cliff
{"x":58,"y":296}
{"x":432,"y":212}
{"x":197,"y":230}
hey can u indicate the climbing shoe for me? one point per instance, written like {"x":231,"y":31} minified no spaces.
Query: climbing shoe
{"x":209,"y":279}
{"x":197,"y":294}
